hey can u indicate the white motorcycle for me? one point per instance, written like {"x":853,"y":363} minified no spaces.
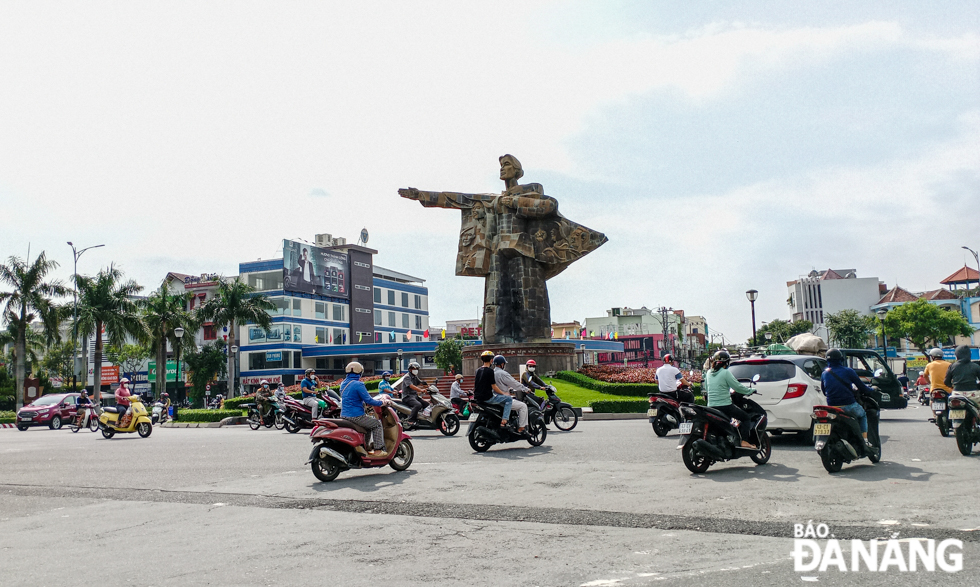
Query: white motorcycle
{"x":159,"y":415}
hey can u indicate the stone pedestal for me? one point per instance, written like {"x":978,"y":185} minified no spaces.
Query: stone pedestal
{"x":549,"y":356}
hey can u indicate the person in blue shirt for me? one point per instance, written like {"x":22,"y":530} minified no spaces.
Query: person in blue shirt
{"x":839,"y":382}
{"x":354,"y":395}
{"x":308,"y":388}
{"x":385,"y":385}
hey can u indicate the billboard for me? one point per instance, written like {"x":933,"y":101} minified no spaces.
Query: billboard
{"x":314,"y":270}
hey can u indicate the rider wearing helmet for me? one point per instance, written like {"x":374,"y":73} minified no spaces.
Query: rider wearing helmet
{"x":457,"y":395}
{"x":123,"y":407}
{"x":262,"y":398}
{"x":484,"y":385}
{"x":718,"y":384}
{"x":165,"y":400}
{"x":935,"y":371}
{"x":670,"y":378}
{"x":308,"y":388}
{"x":963,"y":375}
{"x":280,"y":392}
{"x":385,"y":385}
{"x":531,"y":380}
{"x":839,"y":382}
{"x":354,"y":395}
{"x":504,"y":384}
{"x":411,"y":388}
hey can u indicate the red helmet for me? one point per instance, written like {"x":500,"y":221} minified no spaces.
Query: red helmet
{"x":531,"y":363}
{"x":668,"y":358}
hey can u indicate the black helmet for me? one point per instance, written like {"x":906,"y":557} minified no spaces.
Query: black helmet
{"x":721,"y":358}
{"x":499,"y":360}
{"x":668,"y":358}
{"x":835,"y":356}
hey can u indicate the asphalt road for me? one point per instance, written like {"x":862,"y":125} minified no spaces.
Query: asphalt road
{"x":608,"y":504}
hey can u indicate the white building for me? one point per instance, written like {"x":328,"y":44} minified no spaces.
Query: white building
{"x":820,"y":293}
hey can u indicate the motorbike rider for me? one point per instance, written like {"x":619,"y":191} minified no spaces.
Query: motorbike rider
{"x":353,"y":397}
{"x":839,"y":382}
{"x":964,"y":375}
{"x":280,"y":392}
{"x":165,"y":400}
{"x":484,"y":385}
{"x":504,"y":384}
{"x":384,"y":386}
{"x":262,"y":397}
{"x":308,"y":389}
{"x":84,"y":403}
{"x":669,"y":380}
{"x":457,"y":395}
{"x":718,"y":384}
{"x":935,"y":371}
{"x":123,"y":407}
{"x":411,"y":388}
{"x":531,"y":380}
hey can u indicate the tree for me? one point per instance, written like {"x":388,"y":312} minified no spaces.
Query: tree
{"x":128,"y":356}
{"x":106,"y":306}
{"x":60,"y":360}
{"x":782,"y":330}
{"x":164,"y":311}
{"x":449,"y":353}
{"x":31,"y":299}
{"x":234,"y":303}
{"x":921,"y":322}
{"x":849,"y":329}
{"x":204,"y":366}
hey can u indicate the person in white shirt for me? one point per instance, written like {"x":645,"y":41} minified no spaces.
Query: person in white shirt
{"x":457,"y":395}
{"x":669,"y":378}
{"x":505,"y":384}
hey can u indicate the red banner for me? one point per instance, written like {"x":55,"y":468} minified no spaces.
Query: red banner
{"x":110,"y":375}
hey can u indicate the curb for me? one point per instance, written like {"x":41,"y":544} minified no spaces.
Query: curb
{"x":8,"y":425}
{"x":229,"y":421}
{"x":602,"y":416}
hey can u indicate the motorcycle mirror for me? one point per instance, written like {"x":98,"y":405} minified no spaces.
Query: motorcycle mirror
{"x":756,"y":377}
{"x":879,"y":373}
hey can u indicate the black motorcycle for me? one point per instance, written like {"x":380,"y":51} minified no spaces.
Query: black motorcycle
{"x":963,"y":415}
{"x":941,"y":410}
{"x":837,"y":435}
{"x":486,"y":431}
{"x":275,"y":417}
{"x":664,"y":412}
{"x":555,"y":411}
{"x":924,"y":397}
{"x":710,"y":436}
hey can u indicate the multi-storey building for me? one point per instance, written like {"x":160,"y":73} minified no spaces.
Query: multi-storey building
{"x":820,"y":293}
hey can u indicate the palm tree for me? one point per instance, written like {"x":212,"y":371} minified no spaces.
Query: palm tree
{"x":30,"y":300}
{"x":235,"y":302}
{"x":164,"y":311}
{"x":106,"y":305}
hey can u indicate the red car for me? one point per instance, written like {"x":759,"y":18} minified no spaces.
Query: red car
{"x":52,"y":410}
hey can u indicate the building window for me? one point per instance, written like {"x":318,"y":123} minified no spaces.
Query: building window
{"x":391,"y":319}
{"x":405,"y":323}
{"x":281,"y":306}
{"x":287,"y":333}
{"x":338,"y":364}
{"x":338,"y":336}
{"x":210,"y":332}
{"x":391,"y":297}
{"x":321,"y":336}
{"x":377,"y":317}
{"x":404,"y":300}
{"x":418,"y":339}
{"x":338,"y":312}
{"x":322,"y":363}
{"x":319,"y":311}
{"x":418,"y":322}
{"x":297,"y":333}
{"x":255,"y":335}
{"x":297,"y":359}
{"x":377,"y":295}
{"x":265,"y":281}
{"x":418,"y":302}
{"x":297,"y":307}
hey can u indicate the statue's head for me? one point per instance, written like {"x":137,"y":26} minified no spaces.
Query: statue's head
{"x":510,"y":168}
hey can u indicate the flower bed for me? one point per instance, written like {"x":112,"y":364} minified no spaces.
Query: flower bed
{"x":621,"y":374}
{"x":616,"y":388}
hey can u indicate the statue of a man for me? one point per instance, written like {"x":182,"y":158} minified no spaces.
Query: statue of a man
{"x":518,"y":241}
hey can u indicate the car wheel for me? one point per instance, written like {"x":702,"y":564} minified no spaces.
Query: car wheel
{"x":22,"y":427}
{"x":55,"y":423}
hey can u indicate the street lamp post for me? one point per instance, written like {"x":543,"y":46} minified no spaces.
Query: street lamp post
{"x":179,"y":333}
{"x":74,"y":327}
{"x":399,"y":361}
{"x":752,"y":295}
{"x":234,"y":367}
{"x":884,"y":338}
{"x":976,"y":258}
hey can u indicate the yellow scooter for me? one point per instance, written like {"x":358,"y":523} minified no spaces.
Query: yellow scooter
{"x":139,"y":421}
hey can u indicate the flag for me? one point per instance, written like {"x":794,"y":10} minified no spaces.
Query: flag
{"x":563,"y":333}
{"x":443,"y":334}
{"x":316,"y":339}
{"x":616,"y":336}
{"x":552,"y":333}
{"x":391,"y":337}
{"x":331,"y":339}
{"x":360,"y":335}
{"x":426,"y":334}
{"x":345,"y":338}
{"x":408,"y":335}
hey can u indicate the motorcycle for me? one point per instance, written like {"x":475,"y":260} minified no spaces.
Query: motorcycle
{"x":439,"y":415}
{"x":837,"y":435}
{"x":924,"y":396}
{"x":963,"y":414}
{"x":159,"y":414}
{"x":339,"y":446}
{"x":275,"y":416}
{"x":941,"y":410}
{"x":664,"y":412}
{"x":139,"y":421}
{"x":86,"y":417}
{"x":298,"y":416}
{"x":555,"y":411}
{"x":486,"y":431}
{"x":709,"y":435}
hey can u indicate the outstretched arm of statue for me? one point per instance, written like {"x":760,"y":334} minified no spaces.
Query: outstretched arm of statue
{"x":439,"y":199}
{"x":530,"y":207}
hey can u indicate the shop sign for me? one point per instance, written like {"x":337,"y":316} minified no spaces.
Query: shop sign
{"x":273,"y":356}
{"x":171,"y":371}
{"x":272,"y":379}
{"x":110,"y":374}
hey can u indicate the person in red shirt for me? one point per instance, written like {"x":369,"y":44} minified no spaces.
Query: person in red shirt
{"x":122,"y":401}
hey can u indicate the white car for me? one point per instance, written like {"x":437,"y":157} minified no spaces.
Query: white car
{"x":788,"y":388}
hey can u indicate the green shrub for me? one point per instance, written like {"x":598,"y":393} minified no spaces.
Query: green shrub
{"x":206,"y":415}
{"x":615,"y":406}
{"x":628,"y":389}
{"x":8,"y":417}
{"x":8,"y":402}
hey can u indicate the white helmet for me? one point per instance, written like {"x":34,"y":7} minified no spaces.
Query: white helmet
{"x":936,"y":353}
{"x":124,"y":380}
{"x":264,"y":382}
{"x":354,"y":367}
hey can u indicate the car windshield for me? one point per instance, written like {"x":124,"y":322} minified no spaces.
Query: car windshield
{"x":768,"y":372}
{"x":48,"y":400}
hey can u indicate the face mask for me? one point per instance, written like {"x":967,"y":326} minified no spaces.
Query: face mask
{"x":414,"y":371}
{"x":531,"y":369}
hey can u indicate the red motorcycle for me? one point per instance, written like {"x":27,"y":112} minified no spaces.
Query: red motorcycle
{"x":298,"y":415}
{"x":339,"y":445}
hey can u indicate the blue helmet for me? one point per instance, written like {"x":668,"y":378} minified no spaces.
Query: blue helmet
{"x":499,"y":360}
{"x":386,"y":374}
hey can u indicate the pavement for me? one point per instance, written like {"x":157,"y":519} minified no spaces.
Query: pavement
{"x":606,"y":505}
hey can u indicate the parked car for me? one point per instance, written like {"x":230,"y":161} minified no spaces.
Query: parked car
{"x":788,"y":388}
{"x":874,"y":370}
{"x":51,"y":410}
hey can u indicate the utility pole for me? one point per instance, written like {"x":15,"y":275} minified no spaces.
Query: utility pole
{"x":664,"y":312}
{"x":74,"y":327}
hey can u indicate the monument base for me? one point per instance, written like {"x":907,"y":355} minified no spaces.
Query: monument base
{"x":549,"y":356}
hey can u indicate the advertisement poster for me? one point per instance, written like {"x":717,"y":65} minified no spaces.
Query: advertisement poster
{"x":313,"y":270}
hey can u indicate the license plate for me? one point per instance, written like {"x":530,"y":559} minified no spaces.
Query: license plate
{"x":27,"y":418}
{"x":957,"y":414}
{"x":938,"y":406}
{"x":885,"y":397}
{"x":821,"y":429}
{"x":686,"y":427}
{"x":652,"y":412}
